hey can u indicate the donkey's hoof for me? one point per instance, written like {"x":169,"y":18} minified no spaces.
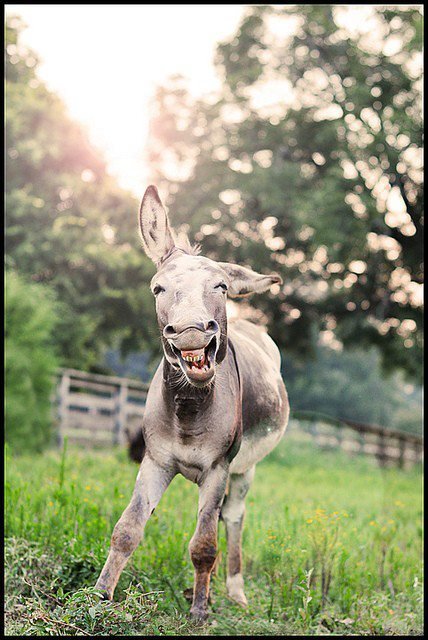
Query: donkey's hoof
{"x":198,"y":615}
{"x":239,"y":598}
{"x":235,"y":589}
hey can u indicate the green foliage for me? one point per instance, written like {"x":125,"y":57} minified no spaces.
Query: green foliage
{"x":318,"y":558}
{"x":31,"y":317}
{"x":304,"y":183}
{"x":349,"y":385}
{"x":282,"y":188}
{"x":68,"y":223}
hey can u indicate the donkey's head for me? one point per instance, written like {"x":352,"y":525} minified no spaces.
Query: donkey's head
{"x":191,"y":293}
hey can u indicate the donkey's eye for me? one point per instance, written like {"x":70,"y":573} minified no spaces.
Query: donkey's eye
{"x":222,"y":286}
{"x":157,"y":289}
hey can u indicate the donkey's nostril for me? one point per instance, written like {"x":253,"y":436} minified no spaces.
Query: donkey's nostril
{"x":172,"y":331}
{"x":212,"y":326}
{"x":169,"y":331}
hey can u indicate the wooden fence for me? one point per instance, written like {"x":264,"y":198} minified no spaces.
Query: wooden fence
{"x":388,"y":446}
{"x":95,"y":409}
{"x":98,"y":410}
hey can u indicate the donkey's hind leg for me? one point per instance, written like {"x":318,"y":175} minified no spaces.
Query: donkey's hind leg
{"x":232,"y":513}
{"x":152,"y":480}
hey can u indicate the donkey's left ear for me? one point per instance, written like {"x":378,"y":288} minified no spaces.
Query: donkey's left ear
{"x":155,"y":231}
{"x":243,"y":281}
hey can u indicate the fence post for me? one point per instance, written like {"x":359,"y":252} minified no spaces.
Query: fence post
{"x":402,"y":447}
{"x":63,"y":392}
{"x":418,"y":452}
{"x":120,"y":423}
{"x":381,"y":455}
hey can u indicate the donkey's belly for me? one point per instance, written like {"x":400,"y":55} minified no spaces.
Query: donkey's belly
{"x":265,"y":407}
{"x":261,"y":436}
{"x":254,"y":448}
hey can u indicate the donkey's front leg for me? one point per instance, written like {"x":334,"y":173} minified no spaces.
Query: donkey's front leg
{"x":203,"y":545}
{"x":152,"y":480}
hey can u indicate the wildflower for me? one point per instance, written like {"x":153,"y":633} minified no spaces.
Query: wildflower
{"x":372,"y":523}
{"x":309,"y":520}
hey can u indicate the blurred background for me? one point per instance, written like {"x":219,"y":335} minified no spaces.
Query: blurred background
{"x":285,"y":138}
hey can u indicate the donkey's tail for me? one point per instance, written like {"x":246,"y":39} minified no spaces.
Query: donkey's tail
{"x":136,"y":445}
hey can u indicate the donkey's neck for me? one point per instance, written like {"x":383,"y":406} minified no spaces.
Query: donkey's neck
{"x":186,"y":399}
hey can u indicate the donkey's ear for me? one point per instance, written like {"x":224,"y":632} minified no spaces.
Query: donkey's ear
{"x":243,"y":281}
{"x":154,"y":226}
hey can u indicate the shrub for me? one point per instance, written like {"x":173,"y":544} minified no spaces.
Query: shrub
{"x":31,"y":314}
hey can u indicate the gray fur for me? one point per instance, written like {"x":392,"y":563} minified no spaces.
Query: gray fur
{"x":211,"y":425}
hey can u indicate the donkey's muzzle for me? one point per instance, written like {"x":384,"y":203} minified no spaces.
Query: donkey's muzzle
{"x":192,"y":336}
{"x":195,"y":347}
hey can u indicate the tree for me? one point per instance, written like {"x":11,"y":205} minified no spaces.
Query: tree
{"x":323,"y":184}
{"x":348,"y":384}
{"x":31,"y":316}
{"x":68,"y":224}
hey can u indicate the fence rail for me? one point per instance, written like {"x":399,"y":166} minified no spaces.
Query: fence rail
{"x":94,"y":409}
{"x":388,"y":446}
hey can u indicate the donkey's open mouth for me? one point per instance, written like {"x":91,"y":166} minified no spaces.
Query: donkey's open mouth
{"x":198,"y":364}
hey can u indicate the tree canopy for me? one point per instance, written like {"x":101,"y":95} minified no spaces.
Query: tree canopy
{"x":309,"y":163}
{"x":68,"y":224}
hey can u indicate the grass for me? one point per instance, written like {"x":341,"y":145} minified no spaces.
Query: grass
{"x":332,"y":545}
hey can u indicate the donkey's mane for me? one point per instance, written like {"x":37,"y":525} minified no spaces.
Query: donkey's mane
{"x":182,"y":243}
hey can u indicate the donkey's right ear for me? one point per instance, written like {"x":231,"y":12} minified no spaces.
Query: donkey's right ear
{"x":155,"y":231}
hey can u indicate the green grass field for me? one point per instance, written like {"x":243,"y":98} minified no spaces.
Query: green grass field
{"x":332,"y":545}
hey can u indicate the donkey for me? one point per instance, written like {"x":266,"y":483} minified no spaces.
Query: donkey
{"x":216,"y":406}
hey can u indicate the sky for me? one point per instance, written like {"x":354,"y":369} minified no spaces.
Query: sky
{"x":105,"y":62}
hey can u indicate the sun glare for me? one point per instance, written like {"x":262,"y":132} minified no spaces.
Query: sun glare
{"x":108,"y":79}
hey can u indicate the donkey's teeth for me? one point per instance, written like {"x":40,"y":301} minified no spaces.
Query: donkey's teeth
{"x":194,"y":356}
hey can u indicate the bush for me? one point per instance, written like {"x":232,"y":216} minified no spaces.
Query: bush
{"x":31,"y":314}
